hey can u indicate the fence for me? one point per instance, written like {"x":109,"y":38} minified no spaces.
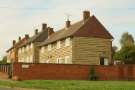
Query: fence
{"x":5,"y":68}
{"x":23,"y":71}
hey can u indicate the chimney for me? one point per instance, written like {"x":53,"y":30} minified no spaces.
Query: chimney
{"x":86,"y":15}
{"x":36,"y":31}
{"x":68,"y":24}
{"x":50,"y":31}
{"x":44,"y":27}
{"x":14,"y":42}
{"x":19,"y":38}
{"x":27,"y":36}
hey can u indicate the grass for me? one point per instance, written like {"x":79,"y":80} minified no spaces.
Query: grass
{"x":71,"y":85}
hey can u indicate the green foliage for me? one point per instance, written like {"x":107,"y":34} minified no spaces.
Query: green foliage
{"x":114,"y":50}
{"x":92,"y":74}
{"x":4,"y":60}
{"x":127,"y":52}
{"x":127,"y":40}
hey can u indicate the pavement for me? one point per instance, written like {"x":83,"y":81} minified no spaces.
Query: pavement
{"x":3,"y":76}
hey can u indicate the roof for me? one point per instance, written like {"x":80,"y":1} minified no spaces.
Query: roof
{"x":90,"y":28}
{"x":17,"y":44}
{"x":41,"y":36}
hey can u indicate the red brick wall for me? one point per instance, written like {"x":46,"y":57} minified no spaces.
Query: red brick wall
{"x":72,"y":72}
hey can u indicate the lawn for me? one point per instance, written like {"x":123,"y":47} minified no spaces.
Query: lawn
{"x":71,"y":85}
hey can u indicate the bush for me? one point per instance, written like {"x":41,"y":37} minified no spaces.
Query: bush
{"x":92,"y":74}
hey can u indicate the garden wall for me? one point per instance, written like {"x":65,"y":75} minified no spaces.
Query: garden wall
{"x":23,"y":71}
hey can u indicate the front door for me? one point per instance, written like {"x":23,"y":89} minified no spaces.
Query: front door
{"x":102,"y":62}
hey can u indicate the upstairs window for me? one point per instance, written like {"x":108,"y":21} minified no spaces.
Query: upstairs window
{"x":22,"y":49}
{"x":58,"y":44}
{"x":42,"y":49}
{"x":19,"y":51}
{"x":27,"y":47}
{"x":49,"y":47}
{"x":31,"y":45}
{"x":67,"y":42}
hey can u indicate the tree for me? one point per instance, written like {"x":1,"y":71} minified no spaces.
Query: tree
{"x":127,"y":52}
{"x":4,"y":60}
{"x":114,"y":50}
{"x":127,"y":40}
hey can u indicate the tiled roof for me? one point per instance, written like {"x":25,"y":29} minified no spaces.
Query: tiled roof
{"x":41,"y":36}
{"x":90,"y":28}
{"x":17,"y":44}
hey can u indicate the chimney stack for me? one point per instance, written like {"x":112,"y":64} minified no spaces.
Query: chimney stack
{"x":50,"y":31}
{"x":68,"y":24}
{"x":86,"y":15}
{"x":14,"y":42}
{"x":36,"y":31}
{"x":19,"y":38}
{"x":44,"y":26}
{"x":27,"y":36}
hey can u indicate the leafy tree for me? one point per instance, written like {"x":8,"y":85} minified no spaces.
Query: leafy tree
{"x":114,"y":50}
{"x":4,"y":60}
{"x":127,"y":40}
{"x":127,"y":52}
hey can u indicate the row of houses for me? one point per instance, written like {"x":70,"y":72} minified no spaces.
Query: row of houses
{"x":84,"y":42}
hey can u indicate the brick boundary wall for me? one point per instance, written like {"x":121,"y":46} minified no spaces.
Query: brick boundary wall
{"x":23,"y":71}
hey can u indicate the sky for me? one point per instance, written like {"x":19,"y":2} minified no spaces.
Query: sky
{"x":20,"y":17}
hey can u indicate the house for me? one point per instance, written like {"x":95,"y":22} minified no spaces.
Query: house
{"x":29,"y":51}
{"x":12,"y":53}
{"x":84,"y":42}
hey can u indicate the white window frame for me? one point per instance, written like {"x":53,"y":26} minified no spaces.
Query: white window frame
{"x":42,"y":49}
{"x":106,"y":61}
{"x":49,"y":47}
{"x":31,"y":45}
{"x":23,"y":49}
{"x":67,"y":41}
{"x":59,"y":60}
{"x":58,"y":44}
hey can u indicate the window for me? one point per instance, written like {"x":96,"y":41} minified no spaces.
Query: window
{"x":67,"y":42}
{"x":42,"y":49}
{"x":68,"y":60}
{"x":59,"y":60}
{"x":103,"y":61}
{"x":58,"y":44}
{"x":19,"y":51}
{"x":31,"y":45}
{"x":106,"y":61}
{"x":27,"y":47}
{"x":49,"y":47}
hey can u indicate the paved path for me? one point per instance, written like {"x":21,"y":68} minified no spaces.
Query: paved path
{"x":3,"y":76}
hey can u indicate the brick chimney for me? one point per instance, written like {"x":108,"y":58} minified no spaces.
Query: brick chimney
{"x":50,"y":31}
{"x":27,"y":36}
{"x":36,"y":31}
{"x":86,"y":15}
{"x":44,"y":26}
{"x":19,"y":38}
{"x":68,"y":24}
{"x":14,"y":42}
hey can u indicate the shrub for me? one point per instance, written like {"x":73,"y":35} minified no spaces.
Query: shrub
{"x":92,"y":74}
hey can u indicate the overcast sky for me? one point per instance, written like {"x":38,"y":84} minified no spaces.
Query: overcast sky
{"x":18,"y":17}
